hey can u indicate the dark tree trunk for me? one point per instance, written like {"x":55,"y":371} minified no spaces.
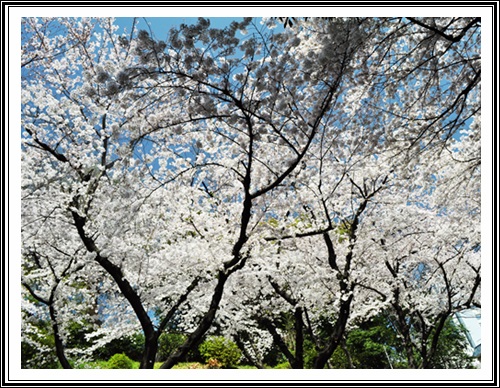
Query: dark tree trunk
{"x":195,"y":337}
{"x":336,"y":337}
{"x":299,"y":339}
{"x":247,"y":355}
{"x":278,"y":340}
{"x":57,"y":339}
{"x":150,"y":350}
{"x":150,"y":335}
{"x":237,"y":262}
{"x":427,"y":360}
{"x":405,"y":331}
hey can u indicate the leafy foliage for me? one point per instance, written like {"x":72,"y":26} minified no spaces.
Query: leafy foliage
{"x":452,"y":352}
{"x":376,"y":345}
{"x":120,"y":361}
{"x":220,"y":351}
{"x":132,"y":346}
{"x":168,"y":343}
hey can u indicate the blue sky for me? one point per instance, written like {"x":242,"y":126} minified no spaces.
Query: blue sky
{"x":161,"y":25}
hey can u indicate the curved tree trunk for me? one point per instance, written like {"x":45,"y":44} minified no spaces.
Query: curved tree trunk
{"x":150,"y":350}
{"x":336,"y":337}
{"x":57,"y":339}
{"x":247,"y":355}
{"x":59,"y":344}
{"x":150,"y":334}
{"x":196,"y":336}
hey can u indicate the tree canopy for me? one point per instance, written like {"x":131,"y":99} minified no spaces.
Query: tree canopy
{"x":281,"y":188}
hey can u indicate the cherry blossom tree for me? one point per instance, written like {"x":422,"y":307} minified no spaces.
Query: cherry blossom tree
{"x":305,"y":270}
{"x":49,"y":297}
{"x":83,"y":151}
{"x":253,"y":109}
{"x":423,"y":73}
{"x":404,"y":162}
{"x":238,"y":175}
{"x":433,"y":270}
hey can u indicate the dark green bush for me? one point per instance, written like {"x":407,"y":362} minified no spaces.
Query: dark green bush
{"x":225,"y":351}
{"x":132,"y":345}
{"x":310,"y":354}
{"x":167,"y":343}
{"x":120,"y":361}
{"x":76,"y":332}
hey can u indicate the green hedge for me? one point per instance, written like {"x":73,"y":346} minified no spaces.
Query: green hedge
{"x":221,"y":349}
{"x":120,"y":361}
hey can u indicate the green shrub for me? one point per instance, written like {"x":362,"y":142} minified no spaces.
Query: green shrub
{"x":120,"y":361}
{"x":76,"y":332}
{"x":225,"y":351}
{"x":283,"y":365}
{"x":169,"y":342}
{"x":131,"y":345}
{"x":310,"y":354}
